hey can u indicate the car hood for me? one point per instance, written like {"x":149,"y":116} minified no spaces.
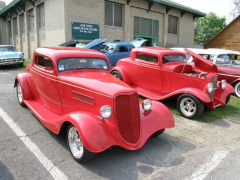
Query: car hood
{"x":99,"y":81}
{"x":138,"y":42}
{"x":201,"y":64}
{"x":10,"y":54}
{"x":95,"y":44}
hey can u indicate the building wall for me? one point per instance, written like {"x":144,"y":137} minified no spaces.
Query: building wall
{"x":229,"y":38}
{"x":59,"y":16}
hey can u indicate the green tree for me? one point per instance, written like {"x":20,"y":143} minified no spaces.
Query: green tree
{"x":207,"y":27}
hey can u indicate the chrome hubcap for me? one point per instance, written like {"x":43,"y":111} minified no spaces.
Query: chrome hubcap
{"x":188,"y":106}
{"x":75,"y":143}
{"x":19,"y":93}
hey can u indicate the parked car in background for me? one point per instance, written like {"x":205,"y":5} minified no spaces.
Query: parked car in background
{"x":67,"y":89}
{"x":9,"y":56}
{"x":160,"y":73}
{"x":114,"y":50}
{"x":226,"y":62}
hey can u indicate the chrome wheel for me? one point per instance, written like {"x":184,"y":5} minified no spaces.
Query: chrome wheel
{"x":19,"y":93}
{"x":237,"y":89}
{"x":75,"y":143}
{"x":188,"y":106}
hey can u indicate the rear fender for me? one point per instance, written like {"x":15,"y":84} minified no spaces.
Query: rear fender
{"x":92,"y":129}
{"x":22,"y":78}
{"x":123,"y":73}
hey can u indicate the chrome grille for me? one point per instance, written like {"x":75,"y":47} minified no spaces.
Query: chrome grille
{"x":128,"y":117}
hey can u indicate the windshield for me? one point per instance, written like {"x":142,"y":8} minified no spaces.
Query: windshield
{"x":173,"y":58}
{"x":68,"y":64}
{"x":6,"y":48}
{"x":107,"y":47}
{"x":225,"y":59}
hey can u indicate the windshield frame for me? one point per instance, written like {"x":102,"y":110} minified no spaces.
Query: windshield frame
{"x":81,"y":63}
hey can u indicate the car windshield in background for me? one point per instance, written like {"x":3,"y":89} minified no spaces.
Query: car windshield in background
{"x":67,"y":64}
{"x":107,"y":47}
{"x":6,"y":48}
{"x":224,"y":59}
{"x":173,"y":58}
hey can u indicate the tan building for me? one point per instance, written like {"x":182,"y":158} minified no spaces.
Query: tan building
{"x":228,"y":38}
{"x":28,"y":24}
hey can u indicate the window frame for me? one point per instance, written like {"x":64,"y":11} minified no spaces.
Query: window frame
{"x":172,"y":26}
{"x":113,"y":23}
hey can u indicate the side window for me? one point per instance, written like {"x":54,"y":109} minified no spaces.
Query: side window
{"x":44,"y":62}
{"x":173,"y":58}
{"x":123,"y":49}
{"x":146,"y":57}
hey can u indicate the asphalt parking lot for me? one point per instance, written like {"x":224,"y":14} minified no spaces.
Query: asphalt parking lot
{"x":192,"y":150}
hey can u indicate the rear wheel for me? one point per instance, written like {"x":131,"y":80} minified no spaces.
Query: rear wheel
{"x":77,"y":149}
{"x":190,"y":106}
{"x":19,"y":94}
{"x":117,"y":75}
{"x":237,"y":89}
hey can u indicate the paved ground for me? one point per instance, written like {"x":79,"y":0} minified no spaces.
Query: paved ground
{"x":191,"y":150}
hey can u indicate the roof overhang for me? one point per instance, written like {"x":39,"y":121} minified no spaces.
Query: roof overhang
{"x":172,"y":5}
{"x":14,"y":7}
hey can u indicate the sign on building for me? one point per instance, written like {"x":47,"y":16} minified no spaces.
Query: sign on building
{"x":85,"y":31}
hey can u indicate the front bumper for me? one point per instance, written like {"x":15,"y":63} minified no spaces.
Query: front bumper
{"x":11,"y":61}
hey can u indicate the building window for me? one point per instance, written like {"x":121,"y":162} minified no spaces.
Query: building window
{"x":30,"y":15}
{"x":172,"y":25}
{"x":145,"y":26}
{"x":9,"y":29}
{"x":113,"y":14}
{"x":22,"y":24}
{"x":41,"y":15}
{"x":15,"y":27}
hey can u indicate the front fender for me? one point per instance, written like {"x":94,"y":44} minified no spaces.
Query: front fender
{"x":92,"y":131}
{"x":123,"y":73}
{"x":22,"y":78}
{"x":221,"y":94}
{"x":157,"y":118}
{"x":195,"y":92}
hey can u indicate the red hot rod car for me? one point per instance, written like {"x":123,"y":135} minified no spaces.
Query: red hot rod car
{"x":72,"y":88}
{"x":159,"y":73}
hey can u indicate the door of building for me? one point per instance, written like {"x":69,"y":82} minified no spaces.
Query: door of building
{"x":147,"y":29}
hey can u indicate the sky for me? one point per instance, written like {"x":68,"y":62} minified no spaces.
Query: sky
{"x":220,"y":7}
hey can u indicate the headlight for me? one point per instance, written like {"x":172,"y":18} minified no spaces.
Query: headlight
{"x":210,"y":87}
{"x":147,"y":104}
{"x":106,"y":111}
{"x":22,"y":54}
{"x":223,"y":84}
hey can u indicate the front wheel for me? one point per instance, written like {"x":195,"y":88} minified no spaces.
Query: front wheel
{"x":190,"y":106}
{"x":117,"y":75}
{"x":158,"y":133}
{"x":19,"y":94}
{"x":77,"y":149}
{"x":237,"y":89}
